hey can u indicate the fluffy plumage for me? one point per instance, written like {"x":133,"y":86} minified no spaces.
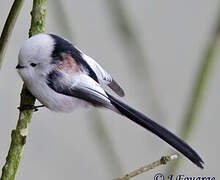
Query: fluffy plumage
{"x":63,"y":78}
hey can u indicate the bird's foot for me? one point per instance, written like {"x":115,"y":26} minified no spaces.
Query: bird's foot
{"x":30,"y":107}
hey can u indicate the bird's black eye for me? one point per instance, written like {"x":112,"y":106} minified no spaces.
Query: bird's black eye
{"x":33,"y":64}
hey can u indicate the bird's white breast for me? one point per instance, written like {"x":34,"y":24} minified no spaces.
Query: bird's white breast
{"x":53,"y":100}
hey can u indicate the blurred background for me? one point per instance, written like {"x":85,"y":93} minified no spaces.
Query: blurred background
{"x":155,"y":50}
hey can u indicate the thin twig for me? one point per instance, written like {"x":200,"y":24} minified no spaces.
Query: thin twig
{"x":18,"y":136}
{"x":163,"y":160}
{"x":8,"y":27}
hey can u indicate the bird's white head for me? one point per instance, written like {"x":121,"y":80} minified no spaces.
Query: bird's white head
{"x":34,"y":59}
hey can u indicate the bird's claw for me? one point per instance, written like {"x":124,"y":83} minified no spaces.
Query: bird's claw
{"x":30,"y":107}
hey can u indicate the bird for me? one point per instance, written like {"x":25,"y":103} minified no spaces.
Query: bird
{"x":64,"y":78}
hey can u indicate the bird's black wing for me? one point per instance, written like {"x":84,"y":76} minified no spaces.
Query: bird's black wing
{"x":79,"y":86}
{"x":63,"y":46}
{"x":86,"y":63}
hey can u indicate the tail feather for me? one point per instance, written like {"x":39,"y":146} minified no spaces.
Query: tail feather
{"x":158,"y":130}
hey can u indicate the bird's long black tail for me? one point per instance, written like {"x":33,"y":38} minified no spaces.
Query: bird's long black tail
{"x":157,"y":129}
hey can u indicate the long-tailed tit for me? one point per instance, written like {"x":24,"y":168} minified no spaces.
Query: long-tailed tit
{"x":62,"y":78}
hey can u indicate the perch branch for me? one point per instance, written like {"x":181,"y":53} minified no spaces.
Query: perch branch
{"x":18,"y":136}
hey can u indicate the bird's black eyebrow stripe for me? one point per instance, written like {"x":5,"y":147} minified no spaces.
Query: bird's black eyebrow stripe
{"x":63,"y":46}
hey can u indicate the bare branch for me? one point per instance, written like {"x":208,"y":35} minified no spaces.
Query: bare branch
{"x":163,"y":160}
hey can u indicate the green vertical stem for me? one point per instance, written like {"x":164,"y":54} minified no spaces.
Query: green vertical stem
{"x":198,"y":90}
{"x":38,"y":14}
{"x":8,"y":27}
{"x":18,"y":136}
{"x":201,"y":81}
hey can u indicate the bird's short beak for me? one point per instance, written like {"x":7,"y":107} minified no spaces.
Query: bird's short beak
{"x":19,"y":66}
